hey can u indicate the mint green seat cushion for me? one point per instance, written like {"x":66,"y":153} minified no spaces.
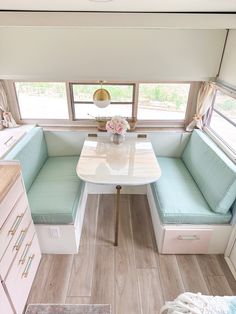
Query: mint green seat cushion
{"x":178,"y":199}
{"x":31,"y":152}
{"x":212,"y":170}
{"x":55,"y":193}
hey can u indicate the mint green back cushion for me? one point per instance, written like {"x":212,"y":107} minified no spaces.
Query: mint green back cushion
{"x":212,"y":170}
{"x":178,"y":199}
{"x":31,"y":152}
{"x":55,"y":193}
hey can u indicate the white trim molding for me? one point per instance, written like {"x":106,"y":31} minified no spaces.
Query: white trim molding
{"x":231,"y":245}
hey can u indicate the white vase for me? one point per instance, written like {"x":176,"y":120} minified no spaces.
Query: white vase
{"x":117,"y":138}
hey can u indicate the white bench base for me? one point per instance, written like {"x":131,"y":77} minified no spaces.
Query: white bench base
{"x":171,"y":239}
{"x":187,"y":239}
{"x":63,"y":239}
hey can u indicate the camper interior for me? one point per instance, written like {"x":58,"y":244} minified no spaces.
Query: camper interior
{"x":117,"y":157}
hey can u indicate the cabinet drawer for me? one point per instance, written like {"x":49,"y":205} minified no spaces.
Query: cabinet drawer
{"x":186,"y":241}
{"x":5,"y":305}
{"x":15,"y":245}
{"x":10,"y":199}
{"x":12,"y":223}
{"x":20,"y":278}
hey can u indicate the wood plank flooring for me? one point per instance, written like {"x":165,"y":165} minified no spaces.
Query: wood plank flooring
{"x":132,"y":277}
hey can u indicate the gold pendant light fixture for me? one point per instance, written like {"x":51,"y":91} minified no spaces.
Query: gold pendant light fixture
{"x":101,"y":97}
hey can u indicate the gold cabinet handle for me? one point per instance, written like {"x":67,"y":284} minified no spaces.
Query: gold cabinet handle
{"x":16,"y":224}
{"x":27,"y":267}
{"x":20,"y":240}
{"x":25,"y":252}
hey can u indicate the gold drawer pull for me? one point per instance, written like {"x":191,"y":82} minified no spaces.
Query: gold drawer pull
{"x":188,"y":237}
{"x":15,"y":225}
{"x":27,"y":267}
{"x":24,"y":254}
{"x":20,"y":239}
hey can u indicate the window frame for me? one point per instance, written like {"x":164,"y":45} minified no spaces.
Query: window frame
{"x":210,"y":131}
{"x":73,"y":102}
{"x":223,"y":116}
{"x":167,"y":122}
{"x":88,"y":123}
{"x":18,"y":111}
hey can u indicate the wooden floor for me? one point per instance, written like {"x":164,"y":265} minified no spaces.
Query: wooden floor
{"x":132,"y":277}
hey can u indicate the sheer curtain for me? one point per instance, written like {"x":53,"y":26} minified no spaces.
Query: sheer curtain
{"x":8,"y":121}
{"x":204,"y":102}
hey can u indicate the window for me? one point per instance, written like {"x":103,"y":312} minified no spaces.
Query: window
{"x":223,"y":119}
{"x":42,"y":100}
{"x":122,"y":99}
{"x":162,"y":101}
{"x":72,"y":103}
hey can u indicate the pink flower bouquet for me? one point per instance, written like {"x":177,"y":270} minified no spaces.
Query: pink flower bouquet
{"x":117,"y":125}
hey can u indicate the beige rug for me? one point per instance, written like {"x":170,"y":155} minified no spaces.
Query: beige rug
{"x":68,"y":309}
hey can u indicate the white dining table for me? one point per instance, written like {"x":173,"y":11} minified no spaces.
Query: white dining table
{"x":130,"y":163}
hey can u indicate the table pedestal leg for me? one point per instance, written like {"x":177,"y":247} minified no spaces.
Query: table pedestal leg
{"x":118,"y":188}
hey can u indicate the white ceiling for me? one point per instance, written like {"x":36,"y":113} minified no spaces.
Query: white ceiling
{"x":122,"y":5}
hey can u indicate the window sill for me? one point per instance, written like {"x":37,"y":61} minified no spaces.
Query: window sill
{"x":92,"y":127}
{"x":149,"y":125}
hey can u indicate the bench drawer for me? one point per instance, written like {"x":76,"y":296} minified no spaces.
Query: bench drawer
{"x":20,"y":279}
{"x":12,"y":223}
{"x":186,"y":241}
{"x":10,"y":199}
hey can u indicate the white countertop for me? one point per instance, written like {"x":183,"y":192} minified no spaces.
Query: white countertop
{"x":132,"y":162}
{"x":10,"y":136}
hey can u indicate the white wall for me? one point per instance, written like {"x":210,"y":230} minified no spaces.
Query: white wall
{"x":165,"y":143}
{"x":65,"y":143}
{"x":169,"y":144}
{"x":228,"y":68}
{"x":113,"y":54}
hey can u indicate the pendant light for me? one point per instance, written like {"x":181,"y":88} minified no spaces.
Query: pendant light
{"x":101,"y":97}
